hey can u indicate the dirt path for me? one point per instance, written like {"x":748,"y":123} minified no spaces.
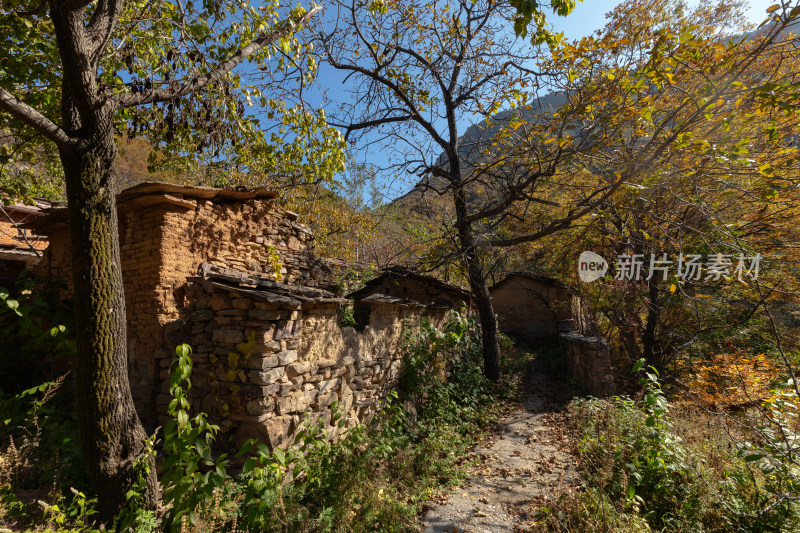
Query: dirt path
{"x":520,"y":465}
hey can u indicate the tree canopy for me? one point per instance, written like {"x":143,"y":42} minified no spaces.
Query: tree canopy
{"x":167,"y":70}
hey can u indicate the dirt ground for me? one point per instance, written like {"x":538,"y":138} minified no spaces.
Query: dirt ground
{"x":521,"y":465}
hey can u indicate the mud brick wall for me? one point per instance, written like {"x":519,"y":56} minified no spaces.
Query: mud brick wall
{"x":232,"y":234}
{"x":56,"y":259}
{"x":238,"y":235}
{"x":261,"y":367}
{"x":589,"y":363}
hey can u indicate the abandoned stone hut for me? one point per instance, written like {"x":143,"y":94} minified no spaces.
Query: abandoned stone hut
{"x":532,"y":308}
{"x":540,"y":310}
{"x":235,"y":276}
{"x":401,"y":283}
{"x":400,"y":286}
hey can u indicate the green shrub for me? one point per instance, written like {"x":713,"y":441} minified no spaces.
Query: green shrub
{"x":40,"y":454}
{"x":189,"y":475}
{"x":347,"y":317}
{"x":762,"y":493}
{"x":638,"y":474}
{"x":40,"y":457}
{"x":442,"y":372}
{"x":35,"y":328}
{"x":634,"y":457}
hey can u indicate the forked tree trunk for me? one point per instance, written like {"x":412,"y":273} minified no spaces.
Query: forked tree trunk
{"x":112,"y":437}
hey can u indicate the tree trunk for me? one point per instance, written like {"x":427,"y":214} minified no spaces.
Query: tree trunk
{"x":649,"y":334}
{"x":477,"y":283}
{"x":491,"y":354}
{"x":112,"y":437}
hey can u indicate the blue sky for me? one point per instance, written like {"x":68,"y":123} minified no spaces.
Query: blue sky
{"x":587,"y":17}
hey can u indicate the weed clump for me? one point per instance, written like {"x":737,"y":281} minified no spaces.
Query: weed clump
{"x":644,"y":470}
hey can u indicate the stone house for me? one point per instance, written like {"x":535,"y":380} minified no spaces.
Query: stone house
{"x":532,"y":308}
{"x":235,"y":276}
{"x":19,"y":248}
{"x":402,"y":285}
{"x":541,"y":310}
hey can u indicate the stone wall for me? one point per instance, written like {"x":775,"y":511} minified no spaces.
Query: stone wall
{"x":589,"y":363}
{"x":264,"y":360}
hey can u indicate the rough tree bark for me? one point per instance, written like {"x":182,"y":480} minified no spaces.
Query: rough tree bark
{"x":112,"y":436}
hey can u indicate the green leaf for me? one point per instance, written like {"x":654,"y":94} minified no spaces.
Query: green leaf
{"x":280,"y":456}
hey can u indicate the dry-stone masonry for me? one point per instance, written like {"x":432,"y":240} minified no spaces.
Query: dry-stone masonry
{"x":589,"y":363}
{"x":199,"y":266}
{"x":268,"y":355}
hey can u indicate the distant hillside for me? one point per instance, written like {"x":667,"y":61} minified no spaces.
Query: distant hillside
{"x":132,"y":162}
{"x":471,"y":143}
